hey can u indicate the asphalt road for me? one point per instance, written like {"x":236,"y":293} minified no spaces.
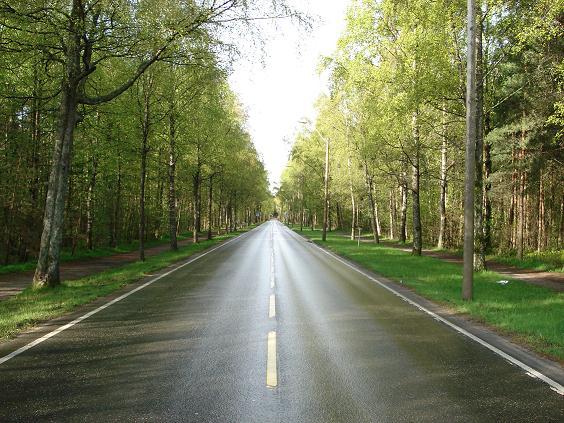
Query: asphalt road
{"x":203,"y":343}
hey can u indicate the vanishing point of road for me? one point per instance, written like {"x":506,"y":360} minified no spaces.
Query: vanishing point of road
{"x":266,"y":328}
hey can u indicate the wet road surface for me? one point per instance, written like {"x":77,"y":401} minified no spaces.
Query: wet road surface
{"x":203,"y":343}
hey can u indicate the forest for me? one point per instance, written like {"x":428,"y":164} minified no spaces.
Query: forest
{"x":118,"y":124}
{"x":389,"y":139}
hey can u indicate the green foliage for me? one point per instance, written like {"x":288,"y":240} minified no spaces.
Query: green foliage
{"x":188,"y":94}
{"x":396,"y":112}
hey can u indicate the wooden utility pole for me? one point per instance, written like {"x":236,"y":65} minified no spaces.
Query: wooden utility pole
{"x":470,"y":168}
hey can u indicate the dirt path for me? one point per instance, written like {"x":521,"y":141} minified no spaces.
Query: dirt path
{"x":12,"y":283}
{"x":551,"y":280}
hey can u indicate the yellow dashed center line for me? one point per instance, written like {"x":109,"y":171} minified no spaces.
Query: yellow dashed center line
{"x":272,"y":270}
{"x":272,"y":307}
{"x":271,"y":370}
{"x":271,"y":354}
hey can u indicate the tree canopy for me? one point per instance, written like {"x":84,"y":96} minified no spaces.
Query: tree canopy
{"x":119,"y":124}
{"x":395,"y":120}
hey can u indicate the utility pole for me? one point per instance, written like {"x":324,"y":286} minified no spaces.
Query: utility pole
{"x":470,"y":168}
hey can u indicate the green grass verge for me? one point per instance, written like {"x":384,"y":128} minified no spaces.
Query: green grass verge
{"x":33,"y":306}
{"x":83,"y":253}
{"x":530,"y":314}
{"x":546,"y":261}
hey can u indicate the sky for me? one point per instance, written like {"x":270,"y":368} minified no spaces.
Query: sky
{"x":280,"y":90}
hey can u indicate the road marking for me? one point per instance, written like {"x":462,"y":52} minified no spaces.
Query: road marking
{"x":271,"y":369}
{"x":272,"y":307}
{"x":112,"y":302}
{"x":554,"y":385}
{"x":272,"y":270}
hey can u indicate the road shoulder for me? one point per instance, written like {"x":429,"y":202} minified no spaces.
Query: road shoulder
{"x":542,"y":365}
{"x":32,"y":334}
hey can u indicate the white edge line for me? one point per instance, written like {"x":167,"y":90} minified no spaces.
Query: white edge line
{"x":112,"y":302}
{"x":553,"y":384}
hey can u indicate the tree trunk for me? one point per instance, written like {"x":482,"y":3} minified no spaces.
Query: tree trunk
{"x":302,"y":208}
{"x":329,"y":216}
{"x":513,"y":208}
{"x":417,"y":231}
{"x":89,"y":204}
{"x":234,"y":213}
{"x":377,"y":217}
{"x":145,"y":128}
{"x":353,"y":203}
{"x":142,"y":178}
{"x":36,"y":138}
{"x":179,"y":217}
{"x":210,"y":208}
{"x":443,"y":185}
{"x":47,"y":270}
{"x":479,"y":245}
{"x":541,"y":216}
{"x":521,"y":201}
{"x":326,"y":193}
{"x":197,"y":199}
{"x":339,"y":216}
{"x":403,"y":220}
{"x":487,"y":191}
{"x":470,"y":165}
{"x":373,"y":213}
{"x":219,"y":219}
{"x":226,"y":217}
{"x":392,"y":213}
{"x":117,"y":205}
{"x":560,"y":224}
{"x":172,"y":212}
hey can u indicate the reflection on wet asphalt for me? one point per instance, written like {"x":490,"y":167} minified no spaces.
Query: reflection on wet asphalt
{"x":195,"y":346}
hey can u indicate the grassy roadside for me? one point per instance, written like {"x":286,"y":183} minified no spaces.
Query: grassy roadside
{"x":544,"y":261}
{"x":33,"y":306}
{"x":83,"y":253}
{"x":530,"y":314}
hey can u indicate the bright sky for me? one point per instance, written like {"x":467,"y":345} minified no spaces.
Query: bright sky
{"x":282,"y":90}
